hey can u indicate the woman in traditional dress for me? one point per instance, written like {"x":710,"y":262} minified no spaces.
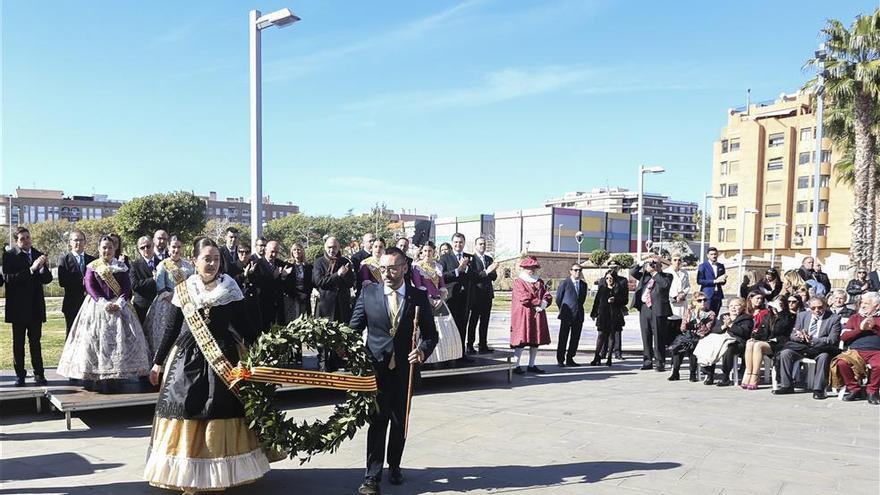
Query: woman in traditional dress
{"x":200,"y":440}
{"x":106,"y":341}
{"x":369,"y":271}
{"x":528,"y":319}
{"x":171,"y":271}
{"x":427,"y":274}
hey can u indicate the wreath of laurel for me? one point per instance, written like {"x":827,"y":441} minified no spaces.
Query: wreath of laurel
{"x":282,"y":435}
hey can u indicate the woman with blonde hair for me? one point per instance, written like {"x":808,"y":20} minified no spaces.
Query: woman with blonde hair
{"x":697,"y":322}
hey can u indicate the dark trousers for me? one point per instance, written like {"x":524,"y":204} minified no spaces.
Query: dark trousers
{"x":788,"y":357}
{"x":727,"y":360}
{"x":653,"y":327}
{"x":391,"y":401}
{"x":479,"y":314}
{"x":33,"y":331}
{"x":605,"y":342}
{"x":141,"y":312}
{"x":68,"y":321}
{"x":715,"y":302}
{"x":569,"y":337}
{"x":459,"y":310}
{"x":692,"y":363}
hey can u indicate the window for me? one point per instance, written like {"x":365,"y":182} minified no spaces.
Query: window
{"x":772,"y":211}
{"x":723,"y":190}
{"x":721,"y":235}
{"x":732,"y":190}
{"x":774,"y":164}
{"x":768,"y":234}
{"x":801,"y":206}
{"x":823,"y":205}
{"x":722,"y":212}
{"x":772,"y":188}
{"x":808,"y":134}
{"x":733,"y":167}
{"x":776,"y":139}
{"x":734,"y":144}
{"x":803,"y":182}
{"x":724,"y":146}
{"x":731,"y":213}
{"x":824,"y":180}
{"x":823,"y":230}
{"x":804,"y":158}
{"x":723,"y":168}
{"x":826,"y":156}
{"x":730,"y":235}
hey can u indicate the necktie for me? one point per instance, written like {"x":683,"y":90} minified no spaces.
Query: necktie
{"x":646,"y":293}
{"x":814,"y":327}
{"x":576,"y":291}
{"x":82,"y":267}
{"x":394,"y":309}
{"x":29,"y":257}
{"x":151,"y":265}
{"x":458,"y":256}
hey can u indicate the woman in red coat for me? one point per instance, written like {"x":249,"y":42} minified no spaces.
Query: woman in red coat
{"x":528,"y":318}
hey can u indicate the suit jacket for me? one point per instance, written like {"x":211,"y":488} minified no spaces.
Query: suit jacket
{"x":230,"y":257}
{"x":874,"y":279}
{"x":706,"y":279}
{"x":300,"y":292}
{"x":70,"y":277}
{"x":659,"y":293}
{"x":819,"y":277}
{"x":458,"y":285}
{"x":371,"y":312}
{"x":335,"y":291}
{"x":268,"y":289}
{"x":482,"y":291}
{"x":143,"y":285}
{"x":829,"y":328}
{"x":25,"y":300}
{"x":571,"y":302}
{"x":357,"y":258}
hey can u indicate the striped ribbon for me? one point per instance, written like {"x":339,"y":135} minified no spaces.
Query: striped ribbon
{"x":320,"y":379}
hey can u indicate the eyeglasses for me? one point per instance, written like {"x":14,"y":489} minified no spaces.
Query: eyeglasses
{"x":816,"y":308}
{"x":390,"y":268}
{"x":575,"y":269}
{"x":243,"y":251}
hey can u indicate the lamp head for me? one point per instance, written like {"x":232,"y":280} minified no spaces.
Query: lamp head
{"x":280,"y":18}
{"x":653,"y":170}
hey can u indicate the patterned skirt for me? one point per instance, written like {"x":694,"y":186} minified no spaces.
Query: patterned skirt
{"x":103,"y":345}
{"x":159,"y":314}
{"x":449,"y":345}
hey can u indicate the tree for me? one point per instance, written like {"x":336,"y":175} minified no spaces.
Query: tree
{"x":94,"y":230}
{"x":215,"y":229}
{"x":180,"y":213}
{"x":599,"y":257}
{"x":311,"y":231}
{"x":852,"y":87}
{"x":623,"y":260}
{"x":50,"y":237}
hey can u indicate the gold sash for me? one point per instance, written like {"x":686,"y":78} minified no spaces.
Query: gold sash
{"x":372,"y":264}
{"x":428,"y":268}
{"x":102,"y":269}
{"x":175,"y":271}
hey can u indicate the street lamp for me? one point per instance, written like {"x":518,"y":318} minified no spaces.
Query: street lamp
{"x":742,"y":239}
{"x":256,"y":23}
{"x":578,"y":238}
{"x":820,"y":107}
{"x":660,"y":246}
{"x":642,"y":172}
{"x":706,"y":198}
{"x":775,"y":237}
{"x":559,"y":239}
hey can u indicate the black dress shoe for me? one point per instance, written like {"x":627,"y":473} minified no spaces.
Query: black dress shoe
{"x":19,"y":382}
{"x":561,"y":364}
{"x":853,"y":396}
{"x":595,"y":362}
{"x":709,"y":380}
{"x":484,"y":349}
{"x":369,"y":487}
{"x":519,"y":371}
{"x":40,"y":381}
{"x":535,"y":369}
{"x":783,"y":391}
{"x":395,"y":477}
{"x":874,"y":398}
{"x":819,"y":395}
{"x":674,"y":377}
{"x":694,"y":378}
{"x":724,"y":383}
{"x":646,"y":366}
{"x":570,"y":362}
{"x":660,"y":369}
{"x":470,"y":350}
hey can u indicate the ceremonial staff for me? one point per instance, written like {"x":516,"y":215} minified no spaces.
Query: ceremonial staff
{"x":412,"y":371}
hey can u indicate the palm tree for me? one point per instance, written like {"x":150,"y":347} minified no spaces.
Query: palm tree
{"x":852,"y":85}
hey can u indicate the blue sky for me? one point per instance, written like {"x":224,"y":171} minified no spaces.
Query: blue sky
{"x":446,"y":107}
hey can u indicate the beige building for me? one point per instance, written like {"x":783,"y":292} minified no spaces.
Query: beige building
{"x":764,"y":160}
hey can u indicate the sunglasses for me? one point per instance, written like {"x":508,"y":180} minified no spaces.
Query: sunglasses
{"x":575,"y":269}
{"x":243,"y":251}
{"x":814,"y":308}
{"x":702,"y":299}
{"x":144,"y":247}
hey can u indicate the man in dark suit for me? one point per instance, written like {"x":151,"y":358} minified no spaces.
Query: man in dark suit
{"x":652,"y":301}
{"x":811,"y":273}
{"x":570,"y":298}
{"x":711,"y":275}
{"x":229,"y":251}
{"x":457,"y":273}
{"x":160,"y":245}
{"x":26,"y":271}
{"x":403,"y":245}
{"x":71,"y":270}
{"x":267,"y":278}
{"x":366,"y":251}
{"x":482,"y":294}
{"x":143,"y":277}
{"x":874,"y":279}
{"x":387,"y":311}
{"x":816,"y":334}
{"x":333,"y":277}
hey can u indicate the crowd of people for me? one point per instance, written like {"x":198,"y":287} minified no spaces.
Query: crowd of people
{"x":172,"y":320}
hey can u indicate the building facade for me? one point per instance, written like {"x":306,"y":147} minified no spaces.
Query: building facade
{"x":670,"y":217}
{"x":239,"y":209}
{"x":764,"y":160}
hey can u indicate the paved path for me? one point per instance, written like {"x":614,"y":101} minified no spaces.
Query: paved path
{"x":571,"y":431}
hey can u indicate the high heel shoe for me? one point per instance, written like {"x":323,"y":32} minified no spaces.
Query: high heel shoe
{"x":608,"y":363}
{"x":594,"y":362}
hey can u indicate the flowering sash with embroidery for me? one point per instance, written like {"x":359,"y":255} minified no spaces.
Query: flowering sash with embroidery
{"x":103,"y":270}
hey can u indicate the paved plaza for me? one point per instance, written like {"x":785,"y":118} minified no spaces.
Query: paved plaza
{"x":570,"y":431}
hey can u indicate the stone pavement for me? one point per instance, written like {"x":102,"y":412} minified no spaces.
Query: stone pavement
{"x":581,"y":430}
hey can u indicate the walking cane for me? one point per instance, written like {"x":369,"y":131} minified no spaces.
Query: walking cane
{"x":412,"y":371}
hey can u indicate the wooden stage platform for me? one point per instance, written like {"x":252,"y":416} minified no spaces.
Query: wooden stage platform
{"x":69,"y":398}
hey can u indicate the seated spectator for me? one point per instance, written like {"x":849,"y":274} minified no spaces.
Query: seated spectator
{"x":734,"y":331}
{"x":697,"y":322}
{"x":859,"y":285}
{"x":863,"y":336}
{"x":815,"y":335}
{"x":792,"y":282}
{"x":768,"y":338}
{"x":769,"y":287}
{"x":837,"y":304}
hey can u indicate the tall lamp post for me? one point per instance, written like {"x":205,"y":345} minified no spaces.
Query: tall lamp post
{"x":820,"y":108}
{"x":775,"y":238}
{"x":256,"y":23}
{"x":706,"y":198}
{"x":742,"y":239}
{"x":642,"y":172}
{"x":578,"y":238}
{"x":660,"y":245}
